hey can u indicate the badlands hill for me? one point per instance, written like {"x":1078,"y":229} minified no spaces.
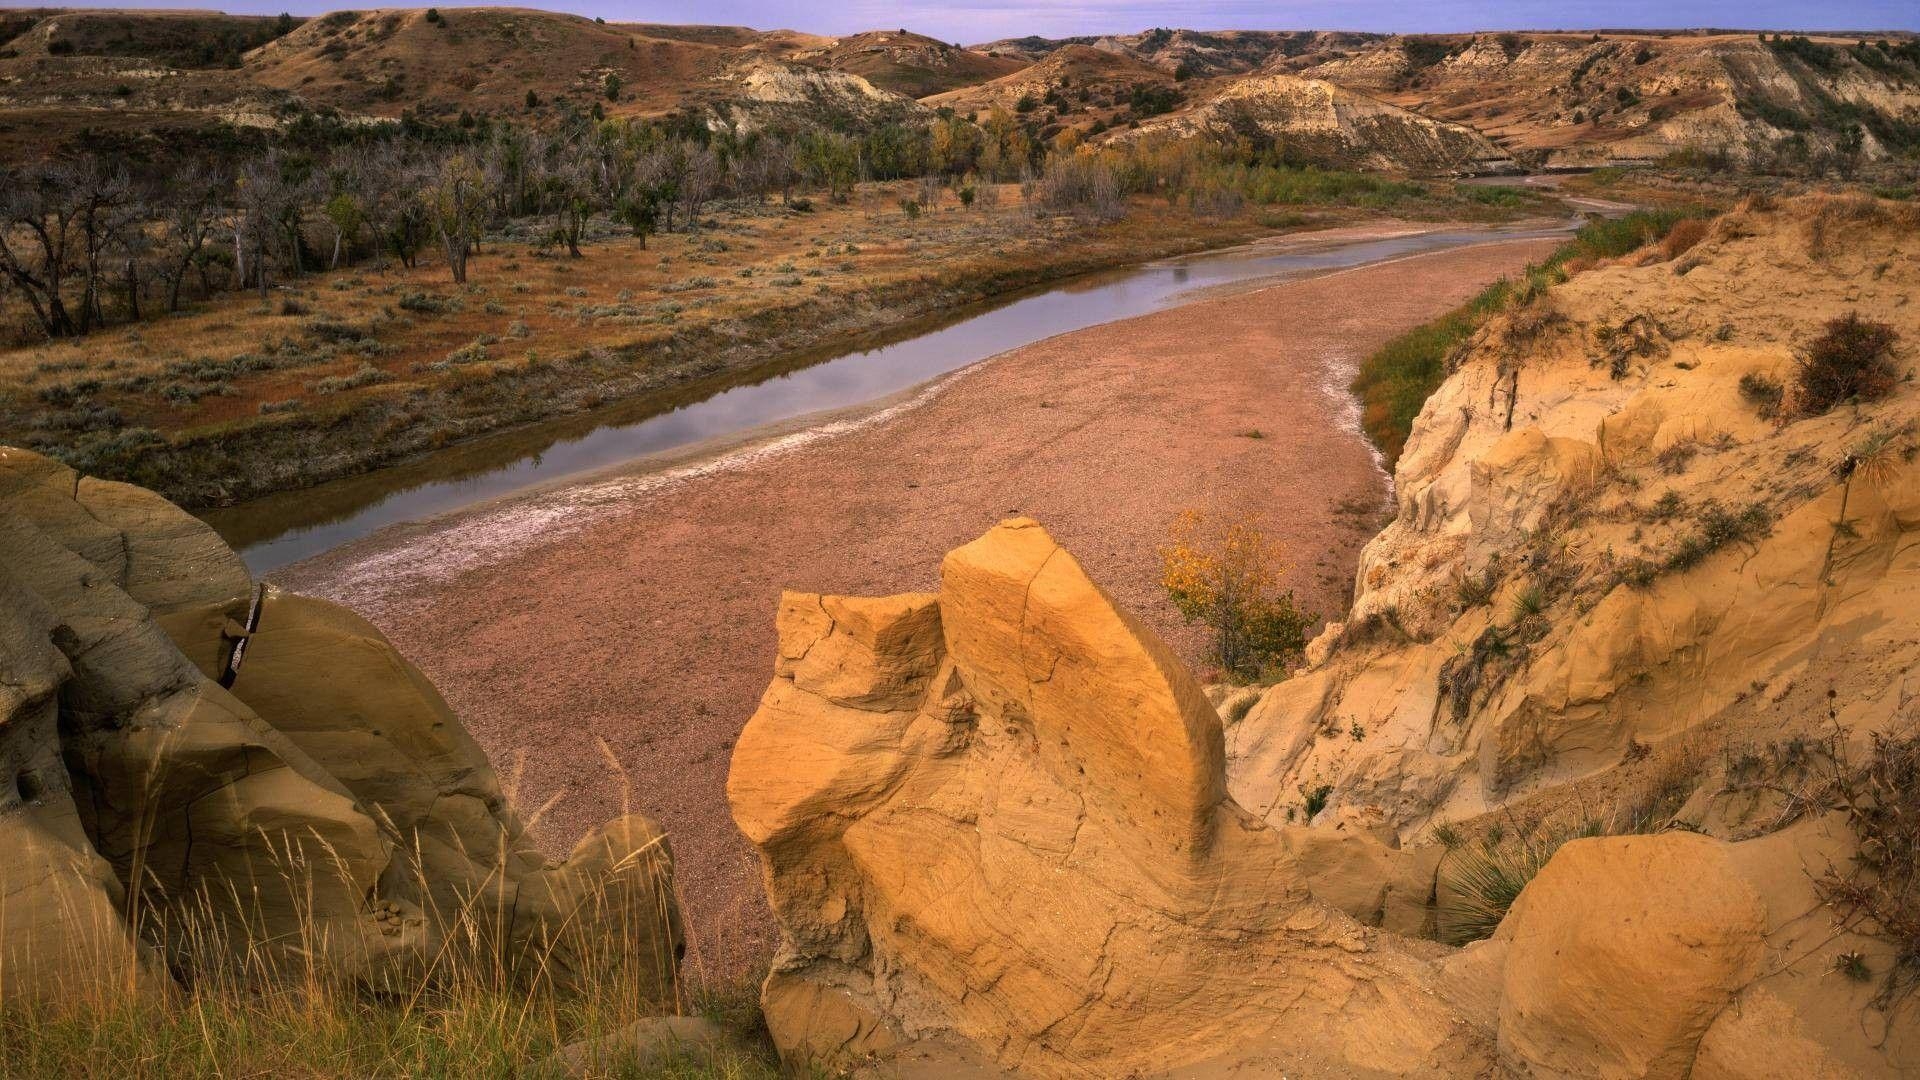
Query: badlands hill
{"x":1582,"y":99}
{"x":66,"y":72}
{"x":481,"y":59}
{"x":1077,"y":84}
{"x":1640,"y":638}
{"x":1200,"y":52}
{"x":1113,"y":95}
{"x":1317,"y":121}
{"x":905,"y":63}
{"x":1559,"y":99}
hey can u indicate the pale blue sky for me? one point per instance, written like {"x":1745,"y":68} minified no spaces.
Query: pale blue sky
{"x":973,"y":21}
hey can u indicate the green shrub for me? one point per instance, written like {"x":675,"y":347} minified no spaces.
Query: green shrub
{"x":1315,"y":799}
{"x":1484,"y":880}
{"x":1718,"y":527}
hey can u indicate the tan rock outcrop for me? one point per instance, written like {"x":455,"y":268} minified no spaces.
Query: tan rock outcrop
{"x":1605,"y":978}
{"x":327,"y":807}
{"x":1568,"y":576}
{"x":996,"y":838}
{"x":1015,"y":832}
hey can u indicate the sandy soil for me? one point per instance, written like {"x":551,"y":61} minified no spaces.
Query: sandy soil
{"x":638,"y":609}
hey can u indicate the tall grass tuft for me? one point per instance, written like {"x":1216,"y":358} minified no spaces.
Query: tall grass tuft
{"x":1485,"y":879}
{"x":418,"y":977}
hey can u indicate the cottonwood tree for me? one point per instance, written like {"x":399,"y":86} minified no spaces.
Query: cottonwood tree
{"x":189,"y":208}
{"x":105,"y":210}
{"x":660,"y":170}
{"x":570,"y":193}
{"x":272,"y":199}
{"x":700,"y":182}
{"x":39,"y":205}
{"x":391,"y":180}
{"x":457,"y":206}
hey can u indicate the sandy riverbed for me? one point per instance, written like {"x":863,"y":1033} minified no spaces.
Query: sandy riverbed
{"x":638,"y":609}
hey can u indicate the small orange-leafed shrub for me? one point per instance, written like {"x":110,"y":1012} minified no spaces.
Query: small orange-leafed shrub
{"x":1851,"y":360}
{"x":1229,"y":576}
{"x":1681,"y":239}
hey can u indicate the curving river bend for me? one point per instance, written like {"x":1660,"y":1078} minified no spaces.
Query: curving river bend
{"x":282,"y":529}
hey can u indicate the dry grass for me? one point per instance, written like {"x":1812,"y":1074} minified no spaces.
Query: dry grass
{"x":272,"y":978}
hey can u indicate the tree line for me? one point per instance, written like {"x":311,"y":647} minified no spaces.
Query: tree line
{"x":89,"y":240}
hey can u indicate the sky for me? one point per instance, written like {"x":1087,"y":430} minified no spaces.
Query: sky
{"x":974,"y":21}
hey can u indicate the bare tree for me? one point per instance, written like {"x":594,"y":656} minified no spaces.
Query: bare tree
{"x":457,"y":207}
{"x":391,"y":180}
{"x":272,"y":203}
{"x":189,"y":207}
{"x":104,"y":198}
{"x":700,"y":182}
{"x":660,"y":170}
{"x":41,"y":204}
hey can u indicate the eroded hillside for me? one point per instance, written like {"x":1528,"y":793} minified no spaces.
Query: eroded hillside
{"x":1616,"y":529}
{"x":1566,"y":99}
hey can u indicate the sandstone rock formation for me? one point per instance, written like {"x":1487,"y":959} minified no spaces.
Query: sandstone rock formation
{"x":997,"y":837}
{"x":325,"y":808}
{"x":1602,"y":546}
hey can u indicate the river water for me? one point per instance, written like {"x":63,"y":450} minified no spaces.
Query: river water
{"x":285,"y":528}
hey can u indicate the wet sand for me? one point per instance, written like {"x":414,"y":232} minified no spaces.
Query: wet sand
{"x":638,"y":608}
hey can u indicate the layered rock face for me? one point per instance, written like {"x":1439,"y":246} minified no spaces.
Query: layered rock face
{"x":324,"y":808}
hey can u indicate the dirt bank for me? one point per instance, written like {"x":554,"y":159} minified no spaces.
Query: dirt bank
{"x":639,"y":609}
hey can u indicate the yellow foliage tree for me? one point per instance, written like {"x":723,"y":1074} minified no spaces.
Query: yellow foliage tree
{"x":1228,"y":576}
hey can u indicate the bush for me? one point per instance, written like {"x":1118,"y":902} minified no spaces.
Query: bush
{"x":1682,"y":237}
{"x":1229,"y":578}
{"x":1717,"y":527}
{"x":364,"y":375}
{"x":1763,"y":392}
{"x":1082,"y":184}
{"x":1879,"y":894}
{"x":1851,"y":360}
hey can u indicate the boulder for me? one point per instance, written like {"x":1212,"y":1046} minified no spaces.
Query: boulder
{"x":1622,"y":952}
{"x":324,"y":809}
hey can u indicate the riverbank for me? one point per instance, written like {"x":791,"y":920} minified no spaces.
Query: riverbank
{"x":354,"y":370}
{"x":638,"y":609}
